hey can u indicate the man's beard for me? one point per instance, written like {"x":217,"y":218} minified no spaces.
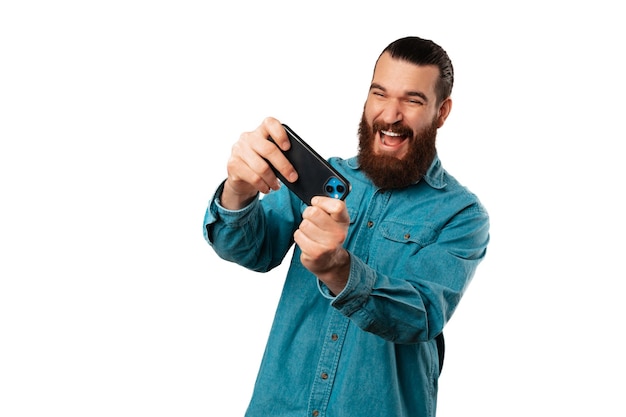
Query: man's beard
{"x":387,"y":171}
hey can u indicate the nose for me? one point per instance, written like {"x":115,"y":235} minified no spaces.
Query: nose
{"x":391,"y":112}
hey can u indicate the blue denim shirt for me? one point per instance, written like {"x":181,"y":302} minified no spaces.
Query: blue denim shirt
{"x":371,"y":349}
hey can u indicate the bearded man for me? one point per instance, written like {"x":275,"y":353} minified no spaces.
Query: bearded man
{"x":373,"y":279}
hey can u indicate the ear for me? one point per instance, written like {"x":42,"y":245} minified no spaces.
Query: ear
{"x":444,"y":111}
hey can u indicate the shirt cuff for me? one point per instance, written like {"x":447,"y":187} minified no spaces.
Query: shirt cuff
{"x":323,"y":289}
{"x":357,"y":290}
{"x":216,"y":212}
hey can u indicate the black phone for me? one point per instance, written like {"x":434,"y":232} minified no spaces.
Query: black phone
{"x":316,"y":177}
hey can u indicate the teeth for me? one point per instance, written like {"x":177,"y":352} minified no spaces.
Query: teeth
{"x":388,"y":133}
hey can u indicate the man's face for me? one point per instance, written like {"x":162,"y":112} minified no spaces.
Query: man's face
{"x":399,"y":124}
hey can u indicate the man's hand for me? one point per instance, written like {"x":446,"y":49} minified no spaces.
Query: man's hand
{"x":248,"y":170}
{"x":321,"y":235}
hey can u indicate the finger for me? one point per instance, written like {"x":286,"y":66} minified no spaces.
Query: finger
{"x":279,"y":161}
{"x":256,"y":144}
{"x":334,"y":207}
{"x":272,"y":128}
{"x":313,"y":227}
{"x":245,"y":165}
{"x":321,"y":228}
{"x":242,"y":177}
{"x":309,"y":247}
{"x":259,"y":154}
{"x":277,"y":136}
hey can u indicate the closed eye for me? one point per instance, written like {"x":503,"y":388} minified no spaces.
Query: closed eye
{"x":378,"y":90}
{"x":417,"y":97}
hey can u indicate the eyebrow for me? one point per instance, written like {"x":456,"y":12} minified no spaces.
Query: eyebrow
{"x":408,"y":93}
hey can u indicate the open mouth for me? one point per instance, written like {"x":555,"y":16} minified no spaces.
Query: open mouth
{"x":391,"y":139}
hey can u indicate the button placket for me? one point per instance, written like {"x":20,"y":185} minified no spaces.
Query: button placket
{"x":328,"y":362}
{"x":371,"y":214}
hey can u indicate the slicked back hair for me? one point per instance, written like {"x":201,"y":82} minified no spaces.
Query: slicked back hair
{"x":420,"y":51}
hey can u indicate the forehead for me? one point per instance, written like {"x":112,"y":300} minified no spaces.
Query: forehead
{"x":402,"y":76}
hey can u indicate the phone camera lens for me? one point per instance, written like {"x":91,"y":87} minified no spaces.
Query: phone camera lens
{"x":329,"y":189}
{"x":340,"y":188}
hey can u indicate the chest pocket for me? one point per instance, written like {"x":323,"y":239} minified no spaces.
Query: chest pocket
{"x":410,"y":234}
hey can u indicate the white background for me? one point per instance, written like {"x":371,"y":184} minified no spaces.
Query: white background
{"x":116,"y":121}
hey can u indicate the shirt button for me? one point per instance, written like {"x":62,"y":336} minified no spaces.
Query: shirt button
{"x":334,"y":337}
{"x":407,"y":236}
{"x":324,"y":375}
{"x":315,"y":413}
{"x":370,"y":224}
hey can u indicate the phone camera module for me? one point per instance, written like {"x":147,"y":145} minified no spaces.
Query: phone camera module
{"x":335,"y":188}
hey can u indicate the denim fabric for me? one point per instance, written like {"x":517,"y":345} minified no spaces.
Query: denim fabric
{"x":371,"y":349}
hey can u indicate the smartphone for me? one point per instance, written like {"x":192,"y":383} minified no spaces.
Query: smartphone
{"x":316,"y":177}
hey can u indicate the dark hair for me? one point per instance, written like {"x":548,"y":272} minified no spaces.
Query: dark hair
{"x":420,"y":51}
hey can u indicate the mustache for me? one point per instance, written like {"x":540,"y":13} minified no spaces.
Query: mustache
{"x":396,"y":128}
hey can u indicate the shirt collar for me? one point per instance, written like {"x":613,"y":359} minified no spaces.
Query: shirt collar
{"x":435,"y":176}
